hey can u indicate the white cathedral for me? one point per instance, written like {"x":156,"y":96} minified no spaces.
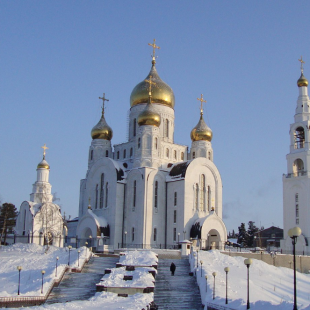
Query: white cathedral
{"x":149,"y":191}
{"x":296,"y":183}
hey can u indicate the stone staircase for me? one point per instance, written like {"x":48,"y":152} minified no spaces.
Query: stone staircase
{"x":179,"y":291}
{"x":81,"y":286}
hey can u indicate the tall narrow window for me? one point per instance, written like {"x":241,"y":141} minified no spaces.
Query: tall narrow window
{"x":167,"y":128}
{"x":194,"y":155}
{"x":297,"y":211}
{"x":91,"y":154}
{"x":155,"y":234}
{"x":117,"y":155}
{"x":139,"y":143}
{"x":134,"y":193}
{"x":202,"y":192}
{"x":134,"y":127}
{"x":175,"y":154}
{"x":174,"y":216}
{"x":131,"y":151}
{"x":124,"y":154}
{"x":174,"y":234}
{"x":175,"y":198}
{"x":209,"y":198}
{"x":133,"y":234}
{"x":156,"y":196}
{"x":101,"y":190}
{"x":167,"y":153}
{"x":299,"y":137}
{"x":25,"y":220}
{"x":209,"y":155}
{"x":106,"y":194}
{"x":296,"y":197}
{"x":106,"y":153}
{"x":156,"y":143}
{"x":96,"y":202}
{"x":196,"y":198}
{"x":182,"y":156}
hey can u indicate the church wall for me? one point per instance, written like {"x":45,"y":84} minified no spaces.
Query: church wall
{"x":24,"y":220}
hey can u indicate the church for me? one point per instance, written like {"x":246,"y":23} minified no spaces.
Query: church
{"x":150,"y":192}
{"x":296,"y":183}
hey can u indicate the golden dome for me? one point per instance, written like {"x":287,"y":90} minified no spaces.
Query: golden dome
{"x":201,"y":131}
{"x":43,"y":164}
{"x":149,"y":116}
{"x":302,"y":81}
{"x":102,"y":130}
{"x":162,"y":93}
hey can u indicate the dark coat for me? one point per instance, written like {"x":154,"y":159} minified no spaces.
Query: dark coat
{"x":172,"y":267}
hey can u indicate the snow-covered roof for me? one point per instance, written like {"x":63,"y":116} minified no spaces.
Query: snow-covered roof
{"x":178,"y":171}
{"x":100,"y":220}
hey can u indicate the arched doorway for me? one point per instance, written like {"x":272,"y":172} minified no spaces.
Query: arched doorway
{"x":213,"y":240}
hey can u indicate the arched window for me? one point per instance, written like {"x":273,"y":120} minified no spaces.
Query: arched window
{"x":106,"y":153}
{"x":299,"y":137}
{"x":209,"y":198}
{"x":194,"y":155}
{"x":167,"y":128}
{"x":182,"y":156}
{"x":202,"y":192}
{"x":24,"y":222}
{"x":298,"y":167}
{"x":296,"y":197}
{"x":101,"y":190}
{"x":296,"y":208}
{"x":96,"y":202}
{"x":106,"y":194}
{"x":167,"y":153}
{"x":156,"y":143}
{"x":175,"y":198}
{"x":131,"y":151}
{"x":133,"y":234}
{"x":124,"y":154}
{"x":134,"y":193}
{"x":155,"y":234}
{"x":175,"y":154}
{"x":196,"y":197}
{"x":174,"y":234}
{"x":156,"y":196}
{"x":174,"y":216}
{"x":117,"y":155}
{"x":209,"y":155}
{"x":134,"y":127}
{"x":91,"y":154}
{"x":139,"y":143}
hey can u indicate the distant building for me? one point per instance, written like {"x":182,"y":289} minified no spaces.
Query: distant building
{"x":269,"y":237}
{"x":296,"y":183}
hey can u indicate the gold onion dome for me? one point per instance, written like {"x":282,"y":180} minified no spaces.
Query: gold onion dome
{"x":302,"y":81}
{"x":201,"y":131}
{"x":149,"y":116}
{"x":43,"y":164}
{"x":162,"y":93}
{"x":102,"y":130}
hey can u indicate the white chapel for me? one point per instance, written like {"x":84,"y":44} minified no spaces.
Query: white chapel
{"x":149,"y":191}
{"x":296,"y":183}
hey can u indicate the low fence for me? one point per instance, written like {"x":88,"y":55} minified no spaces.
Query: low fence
{"x":149,"y":246}
{"x":212,"y":306}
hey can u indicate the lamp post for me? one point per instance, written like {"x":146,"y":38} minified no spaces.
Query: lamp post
{"x":184,"y":232}
{"x":294,"y":233}
{"x":214,"y":275}
{"x":201,"y":262}
{"x":248,"y":262}
{"x":57,"y":258}
{"x":43,"y":272}
{"x":125,"y":237}
{"x":79,"y":258}
{"x":19,"y":268}
{"x":226,"y":269}
{"x":197,"y":257}
{"x":69,"y":247}
{"x":206,"y":277}
{"x":90,"y":240}
{"x":178,"y":238}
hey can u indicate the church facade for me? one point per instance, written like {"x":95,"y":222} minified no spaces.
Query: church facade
{"x":149,"y":191}
{"x":296,"y":183}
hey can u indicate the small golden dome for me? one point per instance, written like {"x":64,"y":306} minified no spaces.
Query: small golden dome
{"x":149,"y":116}
{"x":162,"y":93}
{"x":102,"y":130}
{"x":43,"y":164}
{"x":201,"y":131}
{"x":302,"y":81}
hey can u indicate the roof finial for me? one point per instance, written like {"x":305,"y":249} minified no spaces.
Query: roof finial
{"x":150,"y":82}
{"x":201,"y":101}
{"x":103,"y":100}
{"x":301,"y":64}
{"x":44,"y":147}
{"x":154,"y":48}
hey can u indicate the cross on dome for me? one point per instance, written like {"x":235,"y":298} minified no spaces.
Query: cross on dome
{"x":301,"y":64}
{"x":103,"y":98}
{"x":154,"y":48}
{"x":44,"y":147}
{"x":201,"y":101}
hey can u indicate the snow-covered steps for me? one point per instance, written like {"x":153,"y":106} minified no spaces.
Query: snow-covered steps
{"x":176,"y":292}
{"x":81,"y":286}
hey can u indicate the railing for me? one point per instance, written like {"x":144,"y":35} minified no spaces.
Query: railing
{"x":148,"y":246}
{"x":211,"y":306}
{"x":295,"y":174}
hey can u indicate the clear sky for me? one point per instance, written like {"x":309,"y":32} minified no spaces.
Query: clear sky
{"x":58,"y":57}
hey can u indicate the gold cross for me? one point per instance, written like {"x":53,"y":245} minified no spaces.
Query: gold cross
{"x":201,"y":101}
{"x":103,"y":100}
{"x":150,"y":82}
{"x":44,"y":147}
{"x":154,"y":47}
{"x":301,"y":64}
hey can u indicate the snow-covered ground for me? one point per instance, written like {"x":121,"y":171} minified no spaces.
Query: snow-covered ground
{"x":270,"y":287}
{"x":138,"y":258}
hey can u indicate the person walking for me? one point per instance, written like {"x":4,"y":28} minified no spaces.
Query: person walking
{"x":172,"y":268}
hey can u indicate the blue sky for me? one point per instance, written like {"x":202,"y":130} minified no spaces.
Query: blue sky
{"x":58,"y":57}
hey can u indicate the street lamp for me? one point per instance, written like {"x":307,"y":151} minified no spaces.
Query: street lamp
{"x":197,"y":257}
{"x":79,"y":258}
{"x":125,"y":237}
{"x":248,"y":262}
{"x":43,"y":272}
{"x":206,"y":282}
{"x":294,"y":233}
{"x":90,"y":241}
{"x":214,"y":275}
{"x":69,"y":247}
{"x":226,"y":269}
{"x":19,"y":268}
{"x":178,"y":238}
{"x":201,"y":262}
{"x":184,"y":232}
{"x":57,"y":258}
{"x":86,"y":243}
